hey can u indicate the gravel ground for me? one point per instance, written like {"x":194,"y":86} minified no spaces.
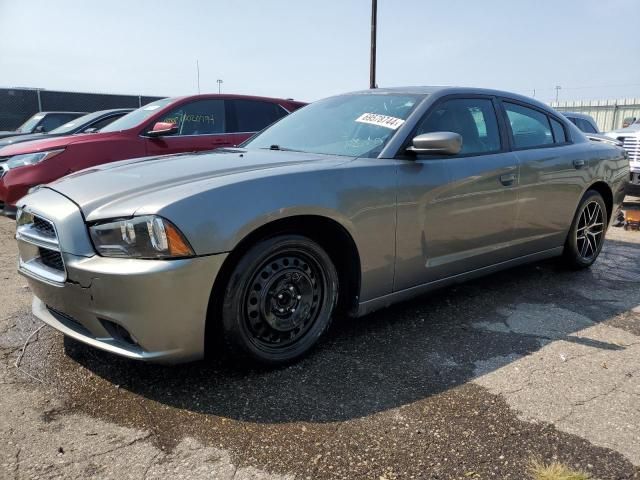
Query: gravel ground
{"x":469,"y":382}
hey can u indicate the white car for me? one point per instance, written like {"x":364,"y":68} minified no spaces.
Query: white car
{"x":630,"y":139}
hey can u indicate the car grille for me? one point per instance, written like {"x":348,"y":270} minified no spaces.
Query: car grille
{"x":44,"y":227}
{"x":632,"y":146}
{"x":51,"y":259}
{"x":41,"y":256}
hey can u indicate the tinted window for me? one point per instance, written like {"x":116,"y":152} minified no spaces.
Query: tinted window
{"x":105,"y":121}
{"x":51,"y":122}
{"x":558,"y":131}
{"x":253,"y":116}
{"x":530,"y":127}
{"x":473,"y":118}
{"x":203,"y":117}
{"x":585,"y":125}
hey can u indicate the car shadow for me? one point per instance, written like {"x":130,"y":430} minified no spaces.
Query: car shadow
{"x":399,"y":355}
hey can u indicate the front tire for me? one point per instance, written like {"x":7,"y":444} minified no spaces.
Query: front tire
{"x":586,"y":236}
{"x":279,"y":300}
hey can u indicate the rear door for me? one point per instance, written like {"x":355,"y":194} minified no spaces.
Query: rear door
{"x":246,"y":117}
{"x":457,"y":213}
{"x":201,"y":126}
{"x":552,"y":176}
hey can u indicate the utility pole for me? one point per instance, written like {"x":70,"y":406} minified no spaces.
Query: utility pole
{"x":558,"y":88}
{"x":198,"y":74}
{"x":374,"y":21}
{"x":220,"y":82}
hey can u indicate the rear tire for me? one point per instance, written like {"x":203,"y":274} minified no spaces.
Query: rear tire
{"x":586,"y":235}
{"x":279,"y":300}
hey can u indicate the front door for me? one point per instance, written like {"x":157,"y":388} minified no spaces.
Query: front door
{"x":201,"y":126}
{"x":457,"y":213}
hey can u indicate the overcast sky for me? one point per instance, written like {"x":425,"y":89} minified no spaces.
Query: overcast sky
{"x":311,"y":49}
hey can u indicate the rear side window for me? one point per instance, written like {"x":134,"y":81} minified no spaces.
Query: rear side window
{"x":530,"y":128}
{"x":472,"y":118}
{"x":254,"y":115}
{"x":585,"y":125}
{"x":559,"y":135}
{"x":202,"y":117}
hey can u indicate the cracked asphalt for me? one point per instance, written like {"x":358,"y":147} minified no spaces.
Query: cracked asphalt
{"x":473,"y":381}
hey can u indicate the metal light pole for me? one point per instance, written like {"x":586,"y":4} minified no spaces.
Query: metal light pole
{"x":374,"y":21}
{"x":198,"y":74}
{"x":558,"y":88}
{"x":220,"y":82}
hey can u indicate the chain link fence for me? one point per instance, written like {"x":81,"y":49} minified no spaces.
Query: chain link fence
{"x":18,"y":104}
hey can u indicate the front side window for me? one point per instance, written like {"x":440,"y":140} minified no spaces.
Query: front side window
{"x":51,"y":122}
{"x":100,"y":124}
{"x":356,"y":125}
{"x":474,"y":119}
{"x":202,"y":117}
{"x":530,"y":128}
{"x":254,"y":115}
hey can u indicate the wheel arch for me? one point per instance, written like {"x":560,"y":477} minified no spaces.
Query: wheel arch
{"x":604,"y":189}
{"x":330,"y":234}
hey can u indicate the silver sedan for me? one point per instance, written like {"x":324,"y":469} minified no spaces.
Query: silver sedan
{"x":346,"y":206}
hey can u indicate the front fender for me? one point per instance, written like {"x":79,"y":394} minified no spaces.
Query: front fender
{"x":359,"y":195}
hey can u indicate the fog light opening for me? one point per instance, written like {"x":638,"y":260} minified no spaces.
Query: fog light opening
{"x":119,"y":333}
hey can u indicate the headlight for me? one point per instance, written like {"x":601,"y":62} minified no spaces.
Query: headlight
{"x":140,"y":237}
{"x":31,"y":158}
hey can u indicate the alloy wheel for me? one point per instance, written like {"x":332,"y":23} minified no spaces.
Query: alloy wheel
{"x":590,"y":231}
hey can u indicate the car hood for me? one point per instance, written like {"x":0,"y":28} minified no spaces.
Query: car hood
{"x":125,"y":187}
{"x":10,"y":133}
{"x":50,"y":142}
{"x":22,"y":138}
{"x":633,"y":130}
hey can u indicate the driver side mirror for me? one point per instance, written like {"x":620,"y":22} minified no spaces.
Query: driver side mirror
{"x":39,"y":129}
{"x":448,"y":143}
{"x":160,"y":129}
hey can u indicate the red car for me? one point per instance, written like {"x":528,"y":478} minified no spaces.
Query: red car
{"x":170,"y":125}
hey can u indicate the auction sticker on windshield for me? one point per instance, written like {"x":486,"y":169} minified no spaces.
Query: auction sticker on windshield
{"x":380,"y":120}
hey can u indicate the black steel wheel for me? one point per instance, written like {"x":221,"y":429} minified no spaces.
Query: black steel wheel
{"x":279,"y":299}
{"x":587,"y":233}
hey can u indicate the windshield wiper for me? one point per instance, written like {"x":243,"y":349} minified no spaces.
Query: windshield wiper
{"x":279,"y":148}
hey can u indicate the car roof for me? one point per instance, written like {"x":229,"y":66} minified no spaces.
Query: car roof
{"x":58,"y":111}
{"x":203,"y":96}
{"x":449,"y":90}
{"x":578,"y":115}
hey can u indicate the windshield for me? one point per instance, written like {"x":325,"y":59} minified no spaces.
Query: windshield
{"x":29,"y":125}
{"x":356,"y":125}
{"x":137,"y":117}
{"x":77,"y":122}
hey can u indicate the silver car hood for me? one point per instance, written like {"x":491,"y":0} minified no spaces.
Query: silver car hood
{"x":123,"y":188}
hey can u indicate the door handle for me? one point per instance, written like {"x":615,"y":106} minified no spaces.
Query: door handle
{"x":578,"y":163}
{"x":507,"y":179}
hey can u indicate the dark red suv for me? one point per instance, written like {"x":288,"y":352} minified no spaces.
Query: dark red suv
{"x":170,"y":125}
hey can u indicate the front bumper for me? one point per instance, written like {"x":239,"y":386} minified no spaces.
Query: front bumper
{"x":152,"y":310}
{"x":141,"y":309}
